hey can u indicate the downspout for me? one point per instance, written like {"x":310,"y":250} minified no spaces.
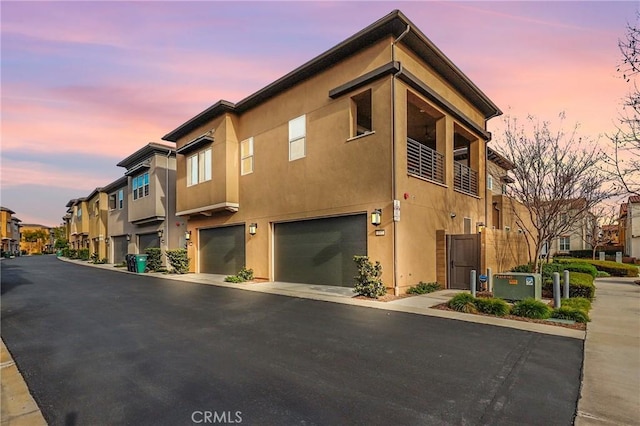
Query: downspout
{"x":396,"y":289}
{"x":167,"y":193}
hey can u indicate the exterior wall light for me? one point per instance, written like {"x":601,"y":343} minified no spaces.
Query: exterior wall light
{"x":128,"y":237}
{"x":253,"y":228}
{"x":376,"y":217}
{"x":187,"y":235}
{"x":452,"y":214}
{"x":160,"y":232}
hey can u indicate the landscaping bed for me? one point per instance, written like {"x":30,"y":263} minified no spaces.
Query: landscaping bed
{"x":574,"y":326}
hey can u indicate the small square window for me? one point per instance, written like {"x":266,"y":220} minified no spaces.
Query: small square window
{"x":490,"y":182}
{"x":112,"y":201}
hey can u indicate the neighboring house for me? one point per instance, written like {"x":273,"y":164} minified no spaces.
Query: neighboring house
{"x":632,"y":232}
{"x":504,"y":242}
{"x":97,"y":216}
{"x":10,"y":231}
{"x":350,"y":154}
{"x":78,"y":223}
{"x":578,"y":235}
{"x":150,"y":200}
{"x":119,"y":229}
{"x":622,"y":227}
{"x":610,"y":235}
{"x":35,"y":238}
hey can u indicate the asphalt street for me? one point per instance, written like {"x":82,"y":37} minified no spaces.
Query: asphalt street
{"x":98,"y":347}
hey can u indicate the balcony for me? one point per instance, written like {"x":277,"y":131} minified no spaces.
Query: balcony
{"x":465,"y":179}
{"x":424,"y":162}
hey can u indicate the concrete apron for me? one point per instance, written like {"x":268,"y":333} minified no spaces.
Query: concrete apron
{"x":17,"y":405}
{"x":610,"y":393}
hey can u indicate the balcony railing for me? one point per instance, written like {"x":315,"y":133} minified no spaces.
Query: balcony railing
{"x":465,"y":179}
{"x":424,"y":162}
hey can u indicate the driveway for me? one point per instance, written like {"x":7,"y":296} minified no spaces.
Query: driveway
{"x":99,"y":347}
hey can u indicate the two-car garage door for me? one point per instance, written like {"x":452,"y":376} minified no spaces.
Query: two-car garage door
{"x":320,"y":251}
{"x":316,"y":251}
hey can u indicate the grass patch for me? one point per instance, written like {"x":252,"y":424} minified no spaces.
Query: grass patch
{"x":577,"y":303}
{"x":463,"y":302}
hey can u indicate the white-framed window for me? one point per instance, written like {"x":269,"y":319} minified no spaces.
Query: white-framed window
{"x":140,"y":186}
{"x":297,"y":138}
{"x":361,"y":113}
{"x":199,"y":167}
{"x":246,"y":156}
{"x":490,"y":182}
{"x":565,"y":243}
{"x":79,"y":213}
{"x":120,"y":199}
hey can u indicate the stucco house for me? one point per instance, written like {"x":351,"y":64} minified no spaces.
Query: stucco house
{"x":352,"y":153}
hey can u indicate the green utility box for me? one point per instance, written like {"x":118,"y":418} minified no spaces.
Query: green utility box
{"x":517,"y":286}
{"x":141,"y":263}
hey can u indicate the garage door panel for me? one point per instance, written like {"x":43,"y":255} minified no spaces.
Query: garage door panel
{"x":320,"y":251}
{"x":120,"y":246}
{"x":146,"y":241}
{"x":222,"y":250}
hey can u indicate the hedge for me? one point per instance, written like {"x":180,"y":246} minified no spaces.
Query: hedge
{"x":613,"y":268}
{"x":580,"y":285}
{"x":588,"y":254}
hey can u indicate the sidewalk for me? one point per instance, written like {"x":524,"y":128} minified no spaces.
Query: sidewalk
{"x":610,"y":392}
{"x":610,"y":389}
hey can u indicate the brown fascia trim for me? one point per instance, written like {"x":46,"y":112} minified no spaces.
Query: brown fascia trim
{"x":434,"y":97}
{"x":393,"y":24}
{"x":390,"y":68}
{"x":499,"y":159}
{"x":116,"y":184}
{"x":94,"y":192}
{"x":145,"y":152}
{"x":195,"y":144}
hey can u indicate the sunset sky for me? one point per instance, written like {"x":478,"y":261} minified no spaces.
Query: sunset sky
{"x":85,"y":84}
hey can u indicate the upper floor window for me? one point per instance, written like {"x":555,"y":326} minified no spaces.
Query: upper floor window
{"x":199,"y":167}
{"x":79,"y":213}
{"x":297,"y":136}
{"x":490,"y":182}
{"x":112,"y":201}
{"x":565,"y":243}
{"x":361,"y":113}
{"x":246,"y":156}
{"x":96,"y":208}
{"x":120,"y":198}
{"x":140,"y":186}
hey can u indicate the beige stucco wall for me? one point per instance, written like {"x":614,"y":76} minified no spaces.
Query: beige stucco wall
{"x":98,"y":224}
{"x":338,"y":176}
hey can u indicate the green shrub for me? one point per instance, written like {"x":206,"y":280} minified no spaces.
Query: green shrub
{"x":154,"y":258}
{"x":613,"y":268}
{"x":368,"y":281}
{"x":577,"y":303}
{"x":492,"y":306}
{"x":72,"y":254}
{"x":95,"y":258}
{"x":245,"y":274}
{"x":531,"y":308}
{"x":233,"y":279}
{"x":602,"y":274}
{"x":424,"y":288}
{"x":463,"y":302}
{"x":568,"y":313}
{"x":178,"y":260}
{"x":580,"y":285}
{"x":83,"y":254}
{"x":523,"y":268}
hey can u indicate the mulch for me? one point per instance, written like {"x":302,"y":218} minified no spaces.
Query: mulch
{"x":576,"y":326}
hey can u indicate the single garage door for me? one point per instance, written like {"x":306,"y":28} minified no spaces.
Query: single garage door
{"x":222,"y":250}
{"x":119,"y":248}
{"x":320,"y":251}
{"x":146,"y":241}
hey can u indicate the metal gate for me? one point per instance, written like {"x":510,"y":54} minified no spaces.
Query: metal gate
{"x":463,"y":253}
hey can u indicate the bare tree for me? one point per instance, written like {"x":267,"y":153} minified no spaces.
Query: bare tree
{"x":625,"y":160}
{"x":594,"y":221}
{"x":558,"y":179}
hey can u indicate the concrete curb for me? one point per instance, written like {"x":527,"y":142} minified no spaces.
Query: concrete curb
{"x":17,"y":406}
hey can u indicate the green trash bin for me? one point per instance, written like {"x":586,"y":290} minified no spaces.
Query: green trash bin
{"x":58,"y":253}
{"x":141,"y":263}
